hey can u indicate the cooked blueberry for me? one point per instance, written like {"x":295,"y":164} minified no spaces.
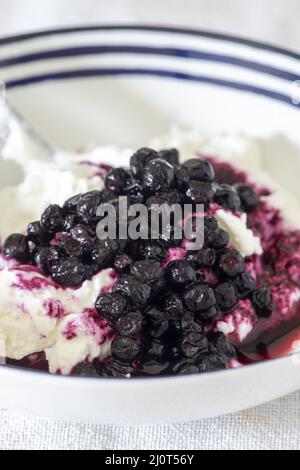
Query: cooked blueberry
{"x":200,"y":170}
{"x":181,"y":178}
{"x":245,"y":285}
{"x":40,"y":259}
{"x":185,"y":369}
{"x":147,"y":270}
{"x":152,"y":249}
{"x":158,"y":176}
{"x":125,"y":348}
{"x":85,"y":369}
{"x":139,"y":161}
{"x":70,"y":246}
{"x":122,"y":262}
{"x":70,"y":205}
{"x":204,"y":258}
{"x":211,"y":362}
{"x":55,"y":254}
{"x":157,"y":351}
{"x":219,"y":240}
{"x":262,"y":302}
{"x":158,"y":323}
{"x":227,"y":197}
{"x":69,"y":222}
{"x":194,"y":343}
{"x":199,"y":192}
{"x":179,"y":274}
{"x":115,"y":180}
{"x":83,"y":236}
{"x":107,"y":196}
{"x":173,"y":307}
{"x":199,"y":297}
{"x":114,"y":368}
{"x":88,"y":205}
{"x":222,"y":346}
{"x":207,"y":316}
{"x":170,"y":155}
{"x":210,"y":229}
{"x":104,"y":251}
{"x":112,"y":306}
{"x":130,"y":324}
{"x":231,"y":263}
{"x":52,"y":219}
{"x":188,"y":323}
{"x":37,"y":234}
{"x":226,"y":296}
{"x":16,"y":246}
{"x":139,"y":293}
{"x":69,"y":272}
{"x":248,"y":197}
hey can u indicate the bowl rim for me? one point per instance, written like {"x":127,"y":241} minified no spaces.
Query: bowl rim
{"x":39,"y":33}
{"x":235,"y":39}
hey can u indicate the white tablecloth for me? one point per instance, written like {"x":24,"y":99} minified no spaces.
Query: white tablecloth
{"x":272,"y":426}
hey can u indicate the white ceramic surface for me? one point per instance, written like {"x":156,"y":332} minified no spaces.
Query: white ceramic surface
{"x":125,"y":86}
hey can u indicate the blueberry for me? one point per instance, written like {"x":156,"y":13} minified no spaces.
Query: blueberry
{"x":209,"y":315}
{"x":157,"y":351}
{"x":199,"y":192}
{"x":204,"y":258}
{"x":262,"y":302}
{"x":210,"y":229}
{"x":139,"y":293}
{"x":37,"y":234}
{"x":248,"y":197}
{"x":183,"y":367}
{"x":52,"y":219}
{"x":152,"y":249}
{"x":68,"y":273}
{"x":55,"y":255}
{"x":112,"y":306}
{"x":245,"y":285}
{"x":199,"y":297}
{"x":170,"y":155}
{"x":16,"y":246}
{"x":188,"y":323}
{"x":115,"y":368}
{"x":173,"y":307}
{"x":70,"y":205}
{"x":85,"y":369}
{"x":139,"y":161}
{"x":70,"y":246}
{"x":200,"y":170}
{"x":40,"y":259}
{"x":158,"y":324}
{"x":122,"y":263}
{"x":194,"y":343}
{"x":231,"y":263}
{"x":107,"y":196}
{"x":147,"y":270}
{"x":226,"y":296}
{"x":221,"y":345}
{"x":104,"y":252}
{"x":88,"y":205}
{"x":83,"y":236}
{"x":227,"y":197}
{"x":158,"y":176}
{"x":181,"y":178}
{"x":130,"y":324}
{"x":115,"y":180}
{"x":125,"y":348}
{"x":179,"y":274}
{"x":211,"y":362}
{"x":219,"y":240}
{"x":69,"y":222}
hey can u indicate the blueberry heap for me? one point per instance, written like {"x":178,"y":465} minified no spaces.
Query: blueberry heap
{"x":162,"y":313}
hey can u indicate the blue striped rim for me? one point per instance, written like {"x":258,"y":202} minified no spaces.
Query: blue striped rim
{"x":161,"y":29}
{"x":144,"y":50}
{"x":106,"y":72}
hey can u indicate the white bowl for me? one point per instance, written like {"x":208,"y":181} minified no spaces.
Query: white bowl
{"x":125,"y":85}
